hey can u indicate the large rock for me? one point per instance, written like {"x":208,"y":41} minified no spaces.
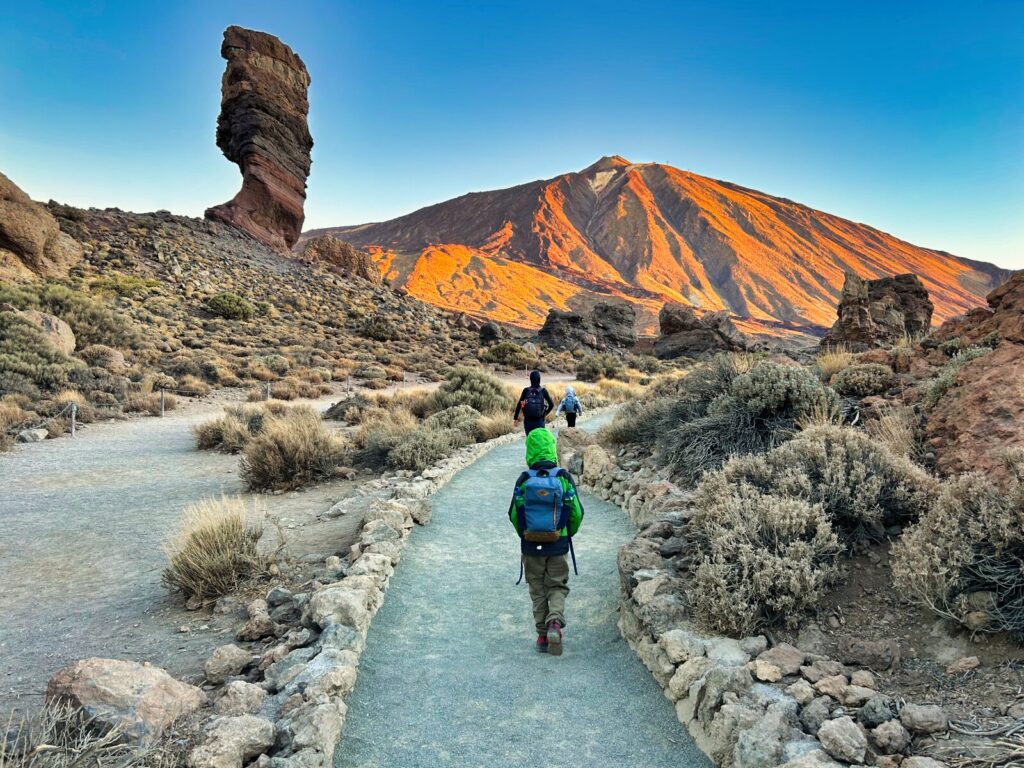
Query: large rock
{"x":843,"y":740}
{"x":606,"y":326}
{"x":57,"y":332}
{"x":341,"y":257}
{"x":262,"y":127}
{"x":878,"y":313}
{"x":683,"y":332}
{"x":31,"y":243}
{"x":140,"y":700}
{"x":232,"y":741}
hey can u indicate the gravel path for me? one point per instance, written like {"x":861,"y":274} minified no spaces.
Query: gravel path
{"x":81,"y":525}
{"x":450,"y":676}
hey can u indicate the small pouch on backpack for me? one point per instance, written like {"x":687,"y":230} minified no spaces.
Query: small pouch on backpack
{"x":542,"y":537}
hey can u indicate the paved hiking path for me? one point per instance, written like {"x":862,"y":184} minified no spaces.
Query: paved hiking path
{"x":450,"y":676}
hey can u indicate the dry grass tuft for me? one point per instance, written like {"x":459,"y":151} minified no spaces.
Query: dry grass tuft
{"x":832,"y":360}
{"x":215,"y":549}
{"x":149,"y":403}
{"x":290,"y":451}
{"x":896,"y":429}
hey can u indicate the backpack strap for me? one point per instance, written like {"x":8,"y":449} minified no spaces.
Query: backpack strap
{"x":522,"y":567}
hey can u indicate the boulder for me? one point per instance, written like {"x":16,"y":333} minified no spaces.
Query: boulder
{"x":683,"y":332}
{"x":341,"y":257}
{"x":57,"y":332}
{"x":240,"y":698}
{"x":570,"y":440}
{"x":226,"y":661}
{"x":890,"y":737}
{"x":595,"y":463}
{"x":139,"y":699}
{"x":231,"y":742}
{"x":262,"y":127}
{"x":924,"y":718}
{"x":843,"y":740}
{"x":606,"y":326}
{"x":32,"y":435}
{"x":879,"y":313}
{"x":31,"y":243}
{"x":491,"y":333}
{"x":784,"y":656}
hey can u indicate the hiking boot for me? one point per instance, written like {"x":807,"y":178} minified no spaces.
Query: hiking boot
{"x":542,"y":643}
{"x":554,"y":638}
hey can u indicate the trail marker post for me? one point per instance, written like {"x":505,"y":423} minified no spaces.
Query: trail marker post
{"x":268,"y":391}
{"x":163,"y":401}
{"x":74,"y":414}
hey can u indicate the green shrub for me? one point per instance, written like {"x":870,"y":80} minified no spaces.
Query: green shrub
{"x":600,"y":366}
{"x":863,"y":380}
{"x":91,"y":321}
{"x":648,"y":364}
{"x":28,"y":362}
{"x":965,"y":558}
{"x":765,"y":559}
{"x":859,"y":483}
{"x":461,"y":418}
{"x":230,"y":306}
{"x":509,"y":354}
{"x":382,"y":328}
{"x":472,"y":387}
{"x":423,"y":447}
{"x":370,"y":372}
{"x":947,"y":375}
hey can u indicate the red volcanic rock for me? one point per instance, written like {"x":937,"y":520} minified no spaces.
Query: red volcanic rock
{"x":683,"y":332}
{"x":341,"y":257}
{"x":874,"y":313}
{"x":262,"y":127}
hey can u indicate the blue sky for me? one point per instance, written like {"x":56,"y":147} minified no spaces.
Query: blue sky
{"x":907,"y":116}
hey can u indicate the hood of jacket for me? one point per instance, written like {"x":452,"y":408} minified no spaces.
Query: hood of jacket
{"x":570,"y":392}
{"x":540,"y":446}
{"x":534,"y":378}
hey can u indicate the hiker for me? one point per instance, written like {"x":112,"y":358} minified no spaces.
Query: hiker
{"x":570,"y":406}
{"x":534,"y":404}
{"x":546,"y":512}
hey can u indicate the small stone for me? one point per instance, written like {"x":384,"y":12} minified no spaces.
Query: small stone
{"x":755,"y":645}
{"x":812,"y":640}
{"x":843,"y":740}
{"x":874,"y":654}
{"x":856,"y":695}
{"x":802,"y":691}
{"x":832,"y":686}
{"x":785,"y":657}
{"x":240,"y":698}
{"x":765,"y":672}
{"x":962,"y":665}
{"x":924,"y":718}
{"x":919,"y":761}
{"x":231,"y":742}
{"x":679,"y":645}
{"x":1016,"y":711}
{"x":815,"y":713}
{"x":863,"y":678}
{"x":890,"y":737}
{"x":822,"y":668}
{"x":976,"y":620}
{"x":877,"y":710}
{"x":226,"y":661}
{"x":278,"y":596}
{"x":259,"y":625}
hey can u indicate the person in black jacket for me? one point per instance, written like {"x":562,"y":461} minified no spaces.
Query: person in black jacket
{"x":534,"y":404}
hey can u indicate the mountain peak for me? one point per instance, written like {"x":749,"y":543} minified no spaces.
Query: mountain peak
{"x":608,"y":163}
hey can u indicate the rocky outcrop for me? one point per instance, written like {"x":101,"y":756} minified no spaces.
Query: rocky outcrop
{"x":140,"y":700}
{"x":31,"y":243}
{"x":982,"y":412}
{"x":341,"y":257}
{"x":684,"y":333}
{"x":262,"y":127}
{"x":56,"y":331}
{"x":879,"y":313}
{"x":606,"y":326}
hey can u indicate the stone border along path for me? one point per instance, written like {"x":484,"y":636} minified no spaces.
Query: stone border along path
{"x":450,"y":675}
{"x":745,"y":704}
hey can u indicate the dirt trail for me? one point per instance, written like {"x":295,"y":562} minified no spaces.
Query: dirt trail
{"x":450,"y":676}
{"x":81,"y":524}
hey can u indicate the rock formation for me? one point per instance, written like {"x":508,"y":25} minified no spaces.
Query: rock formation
{"x":982,"y":413}
{"x":606,"y":326}
{"x":683,"y":332}
{"x":31,"y":243}
{"x":262,"y":127}
{"x":341,"y":257}
{"x":877,"y":313}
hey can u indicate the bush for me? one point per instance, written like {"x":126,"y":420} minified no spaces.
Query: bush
{"x":382,"y":328}
{"x":947,"y":375}
{"x":421,"y":448}
{"x":28,"y":362}
{"x":461,"y":418}
{"x":509,"y":354}
{"x":230,"y":306}
{"x":290,"y":451}
{"x":765,"y":559}
{"x":231,"y":432}
{"x":863,"y":380}
{"x":91,"y":321}
{"x":475,"y":388}
{"x":832,"y":360}
{"x":600,"y":366}
{"x":760,"y":409}
{"x":859,"y":484}
{"x":148,"y":403}
{"x":215,"y":549}
{"x":965,"y":558}
{"x":896,"y":429}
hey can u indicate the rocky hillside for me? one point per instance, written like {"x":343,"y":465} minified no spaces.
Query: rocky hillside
{"x":649,"y":233}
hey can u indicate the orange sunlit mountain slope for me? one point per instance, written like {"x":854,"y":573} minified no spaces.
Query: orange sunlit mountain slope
{"x":648,"y":233}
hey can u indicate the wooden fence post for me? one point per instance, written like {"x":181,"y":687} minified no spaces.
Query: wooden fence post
{"x":163,"y":402}
{"x":74,"y":414}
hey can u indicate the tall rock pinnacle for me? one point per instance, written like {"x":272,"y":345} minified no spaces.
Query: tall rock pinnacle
{"x":262,"y":127}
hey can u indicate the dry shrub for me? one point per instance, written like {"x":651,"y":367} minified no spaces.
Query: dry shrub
{"x":895,"y":427}
{"x":765,"y":559}
{"x":231,"y":432}
{"x":11,"y":415}
{"x":860,"y":484}
{"x":419,"y":402}
{"x":475,"y":388}
{"x":863,"y":380}
{"x":84,"y":410}
{"x":832,"y":360}
{"x":215,"y":549}
{"x":193,"y":385}
{"x":490,"y":427}
{"x":291,"y":450}
{"x":965,"y":558}
{"x":461,"y":418}
{"x":421,"y":448}
{"x":148,"y":403}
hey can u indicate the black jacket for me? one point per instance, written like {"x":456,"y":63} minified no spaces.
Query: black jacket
{"x":549,"y":404}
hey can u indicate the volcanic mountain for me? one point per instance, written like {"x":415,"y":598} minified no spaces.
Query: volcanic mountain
{"x":649,"y":233}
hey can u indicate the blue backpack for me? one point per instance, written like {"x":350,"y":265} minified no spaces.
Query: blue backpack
{"x":545,"y":509}
{"x":572,"y":405}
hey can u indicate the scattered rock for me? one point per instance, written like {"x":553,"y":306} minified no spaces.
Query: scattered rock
{"x":890,"y":737}
{"x":877,"y":710}
{"x":924,"y":718}
{"x":863,"y":678}
{"x":231,"y":742}
{"x":683,"y":332}
{"x":140,"y":699}
{"x":819,"y":669}
{"x":815,"y":713}
{"x":240,"y":698}
{"x":874,"y":654}
{"x":832,"y":686}
{"x":784,"y":656}
{"x":801,"y":691}
{"x":260,"y":624}
{"x":226,"y":661}
{"x":31,"y":243}
{"x":765,"y":672}
{"x":962,"y":665}
{"x":843,"y":740}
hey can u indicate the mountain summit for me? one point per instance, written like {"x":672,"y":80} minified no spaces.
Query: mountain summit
{"x":648,"y":233}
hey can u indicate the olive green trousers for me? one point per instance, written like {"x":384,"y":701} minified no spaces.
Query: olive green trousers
{"x":548,"y":579}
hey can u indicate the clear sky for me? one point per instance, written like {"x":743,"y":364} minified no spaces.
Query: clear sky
{"x":908,"y":116}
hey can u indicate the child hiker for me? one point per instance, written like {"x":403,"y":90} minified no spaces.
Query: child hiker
{"x":546,"y":512}
{"x":570,"y":406}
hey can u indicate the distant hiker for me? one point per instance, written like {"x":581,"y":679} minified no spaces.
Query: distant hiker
{"x":570,"y":406}
{"x":546,"y":512}
{"x":534,"y":404}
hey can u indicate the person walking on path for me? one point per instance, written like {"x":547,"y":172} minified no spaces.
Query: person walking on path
{"x":570,"y":406}
{"x":546,"y":513}
{"x":534,"y":404}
